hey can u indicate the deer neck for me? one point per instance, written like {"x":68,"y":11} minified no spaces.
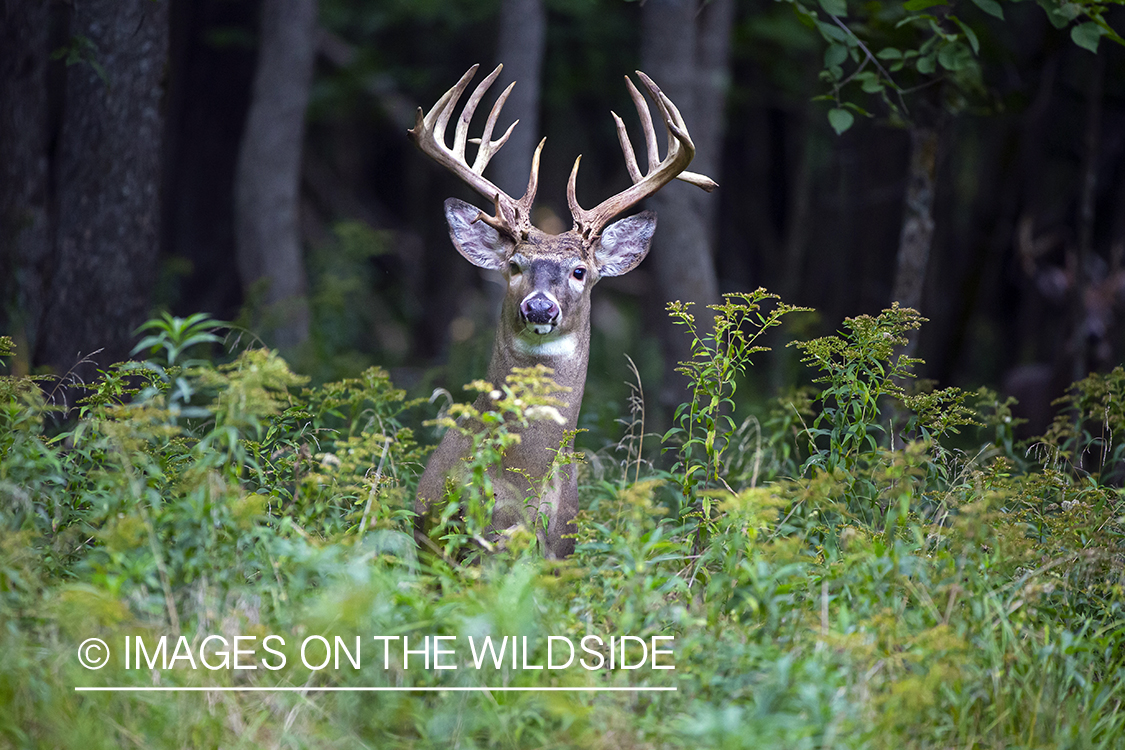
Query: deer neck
{"x":565,"y":351}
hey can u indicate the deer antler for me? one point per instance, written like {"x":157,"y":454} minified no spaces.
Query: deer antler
{"x":680,"y":153}
{"x":512,"y":217}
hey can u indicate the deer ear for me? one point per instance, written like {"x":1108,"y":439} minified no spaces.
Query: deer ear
{"x":624,"y":244}
{"x":481,"y":245}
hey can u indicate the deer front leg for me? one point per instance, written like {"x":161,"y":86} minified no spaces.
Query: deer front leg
{"x":446,"y":458}
{"x":558,"y":539}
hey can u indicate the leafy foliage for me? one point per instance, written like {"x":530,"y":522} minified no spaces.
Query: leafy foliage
{"x":858,"y":585}
{"x":895,"y":51}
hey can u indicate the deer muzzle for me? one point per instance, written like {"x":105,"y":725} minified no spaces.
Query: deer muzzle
{"x":540,"y":312}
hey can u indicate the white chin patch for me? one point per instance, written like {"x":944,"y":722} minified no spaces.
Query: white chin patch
{"x":555,"y":346}
{"x":542,"y":329}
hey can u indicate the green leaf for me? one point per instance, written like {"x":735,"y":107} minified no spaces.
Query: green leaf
{"x":916,"y":5}
{"x":969,"y":34}
{"x":991,"y":7}
{"x":1087,"y":36}
{"x":837,"y":8}
{"x":835,"y":55}
{"x":840,"y":120}
{"x":927,"y":64}
{"x":955,"y":56}
{"x":889,"y":53}
{"x":832,"y":33}
{"x":872,"y":85}
{"x":1058,"y":18}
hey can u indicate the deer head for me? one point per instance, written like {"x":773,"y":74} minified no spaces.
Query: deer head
{"x":546,"y":312}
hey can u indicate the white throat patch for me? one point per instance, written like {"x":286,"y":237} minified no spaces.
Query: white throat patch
{"x":562,"y":346}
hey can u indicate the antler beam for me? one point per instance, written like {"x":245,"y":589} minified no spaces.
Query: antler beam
{"x":659,"y":173}
{"x":512,"y":216}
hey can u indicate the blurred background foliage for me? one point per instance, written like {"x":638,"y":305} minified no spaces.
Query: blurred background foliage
{"x":978,"y":176}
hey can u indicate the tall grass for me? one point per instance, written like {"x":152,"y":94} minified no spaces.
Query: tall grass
{"x":836,"y":573}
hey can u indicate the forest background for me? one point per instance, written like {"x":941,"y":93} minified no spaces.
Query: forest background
{"x":846,"y":554}
{"x":250,"y":159}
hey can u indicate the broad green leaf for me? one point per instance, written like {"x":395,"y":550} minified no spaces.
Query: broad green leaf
{"x":831,"y":32}
{"x":889,"y":53}
{"x":955,"y":56}
{"x":927,"y":64}
{"x":991,"y":7}
{"x":1087,"y":35}
{"x":969,"y":34}
{"x":837,"y":8}
{"x":1055,"y":14}
{"x":916,"y":5}
{"x":835,"y":55}
{"x":872,"y":85}
{"x":840,"y":120}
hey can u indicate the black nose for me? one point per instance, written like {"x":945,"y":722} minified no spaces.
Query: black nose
{"x":539,"y":310}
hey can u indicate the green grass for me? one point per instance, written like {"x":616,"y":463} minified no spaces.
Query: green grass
{"x":835,"y":573}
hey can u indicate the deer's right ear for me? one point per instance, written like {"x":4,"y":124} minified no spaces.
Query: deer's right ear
{"x":624,"y":244}
{"x":481,"y":245}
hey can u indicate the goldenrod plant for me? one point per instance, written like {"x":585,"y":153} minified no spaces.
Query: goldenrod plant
{"x":866,"y":578}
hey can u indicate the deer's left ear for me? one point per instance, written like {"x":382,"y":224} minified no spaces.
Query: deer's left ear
{"x":624,"y":244}
{"x":481,"y":245}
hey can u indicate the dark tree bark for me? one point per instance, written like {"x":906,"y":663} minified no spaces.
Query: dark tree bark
{"x":917,"y":235}
{"x":24,"y":225}
{"x":107,"y":172}
{"x":712,"y":57}
{"x":684,"y":49}
{"x":268,"y":174}
{"x":523,"y":38}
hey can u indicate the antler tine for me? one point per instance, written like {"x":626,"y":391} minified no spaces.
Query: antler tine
{"x":677,"y":127}
{"x":627,"y":149}
{"x":462,"y":133}
{"x":438,"y":116}
{"x":489,"y":147}
{"x":428,"y":133}
{"x":681,"y":150}
{"x":533,"y":180}
{"x":646,"y":124}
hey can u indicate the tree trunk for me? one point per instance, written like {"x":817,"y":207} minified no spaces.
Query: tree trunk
{"x":107,"y":172}
{"x":714,"y":21}
{"x":523,"y":38}
{"x":24,"y":227}
{"x":917,"y":235}
{"x":270,"y":262}
{"x":695,"y":80}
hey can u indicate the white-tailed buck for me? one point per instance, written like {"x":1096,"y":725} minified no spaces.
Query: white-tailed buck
{"x":545,"y":317}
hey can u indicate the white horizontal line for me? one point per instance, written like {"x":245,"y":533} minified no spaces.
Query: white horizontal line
{"x":157,"y":689}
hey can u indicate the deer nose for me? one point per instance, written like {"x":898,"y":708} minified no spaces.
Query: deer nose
{"x":539,"y":309}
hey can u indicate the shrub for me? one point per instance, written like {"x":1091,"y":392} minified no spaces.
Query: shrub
{"x":838,"y":573}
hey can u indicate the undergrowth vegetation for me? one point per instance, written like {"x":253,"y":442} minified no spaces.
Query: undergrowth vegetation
{"x":873,"y":563}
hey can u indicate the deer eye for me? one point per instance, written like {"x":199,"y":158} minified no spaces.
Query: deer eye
{"x":514,"y":268}
{"x":579,"y":273}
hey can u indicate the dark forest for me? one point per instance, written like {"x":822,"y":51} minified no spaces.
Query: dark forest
{"x":129,"y":161}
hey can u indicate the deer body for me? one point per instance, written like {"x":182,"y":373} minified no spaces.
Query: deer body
{"x":545,"y":316}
